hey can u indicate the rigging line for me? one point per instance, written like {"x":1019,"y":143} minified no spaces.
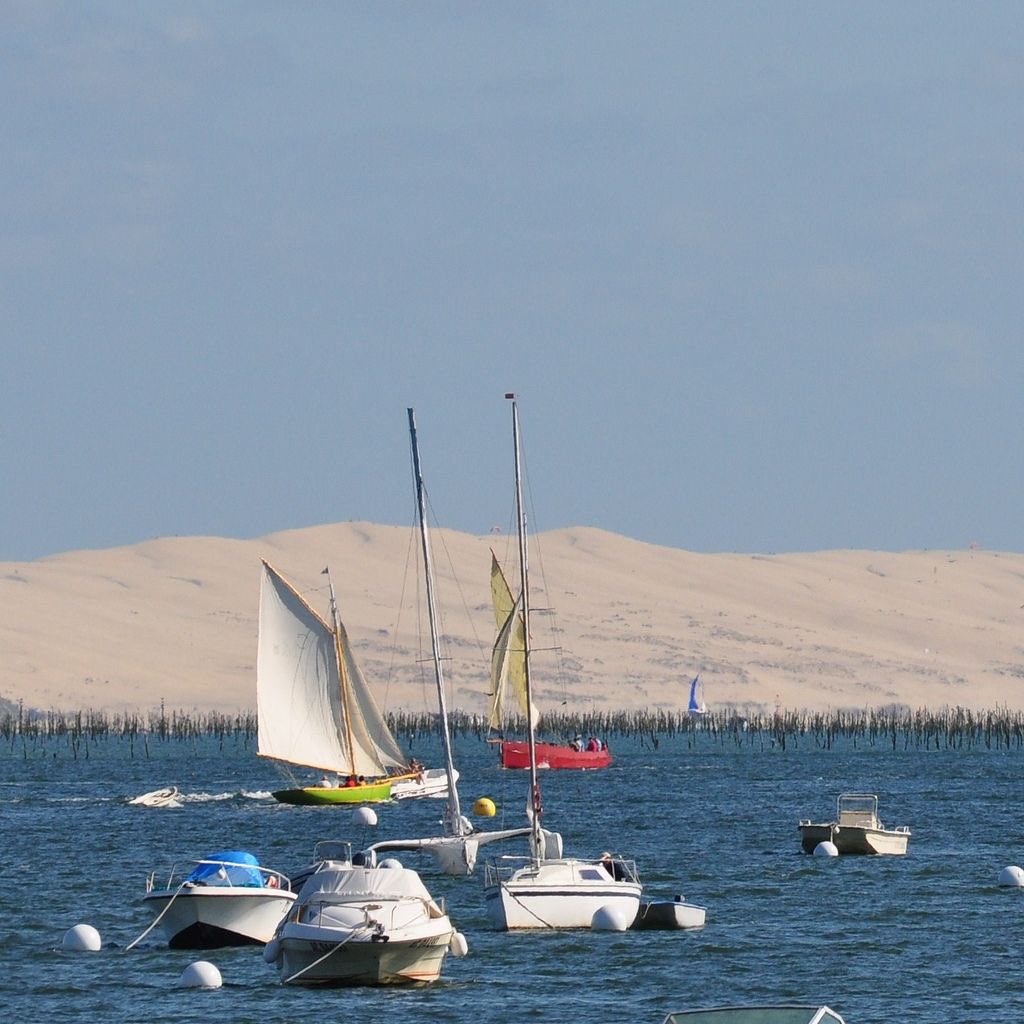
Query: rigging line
{"x":158,"y":919}
{"x":532,"y":913}
{"x":351,"y":935}
{"x":398,"y":622}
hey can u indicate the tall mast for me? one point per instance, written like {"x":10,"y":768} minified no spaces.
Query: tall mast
{"x":453,"y":809}
{"x":535,"y":800}
{"x":342,"y":676}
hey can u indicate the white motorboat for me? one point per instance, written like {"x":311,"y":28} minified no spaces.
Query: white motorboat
{"x":226,"y":899}
{"x":357,"y":922}
{"x":780,"y":1014}
{"x":856,"y":829}
{"x":166,"y":797}
{"x":545,"y":890}
{"x":431,"y":783}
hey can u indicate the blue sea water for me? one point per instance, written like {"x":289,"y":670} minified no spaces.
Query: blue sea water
{"x":928,"y":937}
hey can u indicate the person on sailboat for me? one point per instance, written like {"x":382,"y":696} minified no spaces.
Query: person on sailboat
{"x":612,"y":867}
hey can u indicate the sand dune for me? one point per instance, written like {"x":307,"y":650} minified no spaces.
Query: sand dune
{"x":619,"y":624}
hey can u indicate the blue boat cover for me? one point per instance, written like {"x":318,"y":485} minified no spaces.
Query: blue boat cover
{"x":235,"y":875}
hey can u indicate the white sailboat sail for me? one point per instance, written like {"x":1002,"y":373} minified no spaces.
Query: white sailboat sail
{"x":314,"y":708}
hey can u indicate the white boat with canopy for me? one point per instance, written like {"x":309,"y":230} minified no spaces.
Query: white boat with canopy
{"x":547,"y":890}
{"x":226,"y":899}
{"x":314,"y":708}
{"x":357,"y":922}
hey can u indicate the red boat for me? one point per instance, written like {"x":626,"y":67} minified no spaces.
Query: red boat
{"x":516,"y":754}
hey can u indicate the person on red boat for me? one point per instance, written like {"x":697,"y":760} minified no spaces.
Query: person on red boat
{"x":592,"y":745}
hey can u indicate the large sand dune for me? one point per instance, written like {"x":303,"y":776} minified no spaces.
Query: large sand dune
{"x":175,"y":619}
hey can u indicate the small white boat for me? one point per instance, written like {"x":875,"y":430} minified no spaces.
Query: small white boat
{"x":780,"y":1014}
{"x":856,"y":829}
{"x":431,"y":783}
{"x":226,"y":899}
{"x":668,"y":915}
{"x":166,"y":797}
{"x":356,"y":922}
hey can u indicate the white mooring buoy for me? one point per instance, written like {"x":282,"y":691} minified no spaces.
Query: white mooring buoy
{"x":83,"y":938}
{"x":826,"y":849}
{"x":1012,"y":876}
{"x":458,"y":946}
{"x":201,"y":974}
{"x":609,"y":919}
{"x":364,"y":816}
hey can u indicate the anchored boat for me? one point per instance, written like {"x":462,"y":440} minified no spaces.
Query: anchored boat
{"x":226,"y":899}
{"x":856,"y":829}
{"x":545,"y":890}
{"x":357,"y":922}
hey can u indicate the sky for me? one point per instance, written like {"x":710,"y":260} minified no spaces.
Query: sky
{"x":754,"y":270}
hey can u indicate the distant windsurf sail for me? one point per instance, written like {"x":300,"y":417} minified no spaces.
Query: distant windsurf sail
{"x":696,"y":707}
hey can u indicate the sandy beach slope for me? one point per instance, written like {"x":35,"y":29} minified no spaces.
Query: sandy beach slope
{"x":620,"y":624}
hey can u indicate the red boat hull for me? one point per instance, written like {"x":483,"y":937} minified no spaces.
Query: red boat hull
{"x":516,"y":754}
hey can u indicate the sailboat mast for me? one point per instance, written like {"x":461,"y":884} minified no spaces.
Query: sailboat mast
{"x":342,"y":675}
{"x":454,"y":811}
{"x":535,"y":801}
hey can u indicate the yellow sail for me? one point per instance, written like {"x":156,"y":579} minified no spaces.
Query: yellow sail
{"x":508,"y":660}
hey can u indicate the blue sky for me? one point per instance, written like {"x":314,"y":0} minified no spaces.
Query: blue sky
{"x":753,"y":269}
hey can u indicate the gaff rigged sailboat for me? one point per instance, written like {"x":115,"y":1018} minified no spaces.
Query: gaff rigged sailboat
{"x":456,"y":851}
{"x":314,"y":708}
{"x":547,"y":890}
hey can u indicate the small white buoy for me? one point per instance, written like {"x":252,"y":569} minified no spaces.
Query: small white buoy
{"x":364,"y":816}
{"x":484,"y":807}
{"x":826,"y":849}
{"x":83,"y":938}
{"x":458,"y":946}
{"x":1012,"y":876}
{"x":609,"y":919}
{"x":201,"y":974}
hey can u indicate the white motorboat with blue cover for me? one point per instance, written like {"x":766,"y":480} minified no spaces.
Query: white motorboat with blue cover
{"x":226,"y":899}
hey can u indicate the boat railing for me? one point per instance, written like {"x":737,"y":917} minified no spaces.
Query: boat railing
{"x":180,"y":870}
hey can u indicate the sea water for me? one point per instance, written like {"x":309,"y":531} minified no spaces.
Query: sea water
{"x":929,"y":937}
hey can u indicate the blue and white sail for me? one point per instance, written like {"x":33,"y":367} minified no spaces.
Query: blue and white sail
{"x":696,"y":707}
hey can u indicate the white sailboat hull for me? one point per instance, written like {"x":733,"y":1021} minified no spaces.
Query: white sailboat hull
{"x":208,"y":917}
{"x":556,"y":894}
